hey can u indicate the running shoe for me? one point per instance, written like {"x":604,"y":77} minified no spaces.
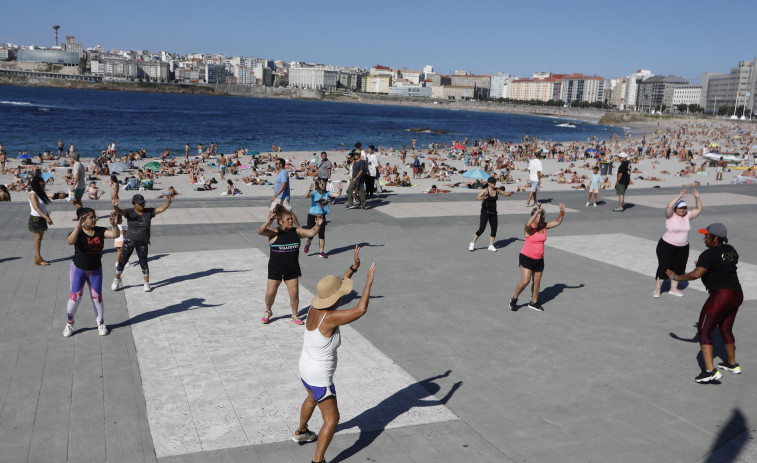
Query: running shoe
{"x":536,"y":306}
{"x":656,"y":292}
{"x":707,"y":376}
{"x":117,"y":284}
{"x":307,"y":436}
{"x":618,"y":209}
{"x":323,"y":255}
{"x":69,"y":330}
{"x":733,"y":368}
{"x":297,"y":320}
{"x":595,"y":204}
{"x":492,"y":248}
{"x":147,"y":287}
{"x":587,"y":204}
{"x":514,"y":304}
{"x":470,"y":247}
{"x":306,"y":248}
{"x":102,"y":330}
{"x":676,"y":292}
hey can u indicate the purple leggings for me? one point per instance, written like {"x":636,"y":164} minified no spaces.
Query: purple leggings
{"x":719,"y":310}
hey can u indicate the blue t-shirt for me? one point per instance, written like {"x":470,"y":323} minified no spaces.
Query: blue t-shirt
{"x":595,"y":179}
{"x":282,"y":178}
{"x":319,"y":203}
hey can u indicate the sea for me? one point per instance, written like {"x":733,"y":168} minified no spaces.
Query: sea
{"x":35,"y":118}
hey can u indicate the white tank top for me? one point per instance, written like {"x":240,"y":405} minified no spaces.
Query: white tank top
{"x":42,"y":206}
{"x":318,"y":358}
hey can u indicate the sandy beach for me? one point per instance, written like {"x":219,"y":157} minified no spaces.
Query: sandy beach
{"x":650,"y":170}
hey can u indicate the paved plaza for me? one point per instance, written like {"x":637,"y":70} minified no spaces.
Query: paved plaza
{"x":439,"y":370}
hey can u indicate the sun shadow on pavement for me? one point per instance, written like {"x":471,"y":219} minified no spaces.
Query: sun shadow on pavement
{"x":731,"y":440}
{"x":351,"y":247}
{"x":374,"y":421}
{"x":183,"y":306}
{"x":192,"y":276}
{"x":551,"y":292}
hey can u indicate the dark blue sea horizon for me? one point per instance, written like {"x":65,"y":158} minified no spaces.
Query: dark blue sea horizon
{"x":35,"y":118}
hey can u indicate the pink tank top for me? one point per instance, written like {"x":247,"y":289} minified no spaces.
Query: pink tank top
{"x":534,"y":245}
{"x":677,"y":229}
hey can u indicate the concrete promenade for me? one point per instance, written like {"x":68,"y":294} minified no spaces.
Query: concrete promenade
{"x":438,"y":370}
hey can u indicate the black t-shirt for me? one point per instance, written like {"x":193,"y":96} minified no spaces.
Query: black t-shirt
{"x":720,"y":262}
{"x":88,"y":250}
{"x":356,"y":168}
{"x":625,"y":173}
{"x":138,"y":225}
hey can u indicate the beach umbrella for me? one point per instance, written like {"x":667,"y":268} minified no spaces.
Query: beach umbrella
{"x":24,"y":156}
{"x":117,"y":167}
{"x":591,"y":150}
{"x":152,"y":165}
{"x":557,"y":144}
{"x":542,"y":150}
{"x":476,"y":174}
{"x":46,"y":175}
{"x":460,"y":147}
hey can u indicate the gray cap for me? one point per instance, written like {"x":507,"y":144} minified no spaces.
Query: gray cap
{"x":717,"y":229}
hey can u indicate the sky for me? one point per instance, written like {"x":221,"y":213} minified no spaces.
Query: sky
{"x":609,"y":39}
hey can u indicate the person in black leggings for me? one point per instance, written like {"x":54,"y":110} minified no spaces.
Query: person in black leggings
{"x":488,"y":198}
{"x":717,"y":268}
{"x":284,"y":262}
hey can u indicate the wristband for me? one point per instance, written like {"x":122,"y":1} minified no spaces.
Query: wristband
{"x":675,"y":277}
{"x":562,"y":213}
{"x":354,"y":270}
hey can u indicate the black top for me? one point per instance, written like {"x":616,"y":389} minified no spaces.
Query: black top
{"x":138,"y":225}
{"x":88,"y":250}
{"x":625,"y":173}
{"x":489,"y":204}
{"x":720,"y":262}
{"x":356,"y":168}
{"x":285,"y":253}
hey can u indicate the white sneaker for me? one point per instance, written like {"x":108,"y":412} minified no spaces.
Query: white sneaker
{"x":587,"y":204}
{"x":492,"y":248}
{"x":117,"y":284}
{"x":595,"y":204}
{"x":68,"y":330}
{"x":147,"y":287}
{"x":102,"y":330}
{"x":470,"y":247}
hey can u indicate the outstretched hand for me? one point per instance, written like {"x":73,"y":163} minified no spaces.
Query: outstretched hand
{"x":371,"y":272}
{"x":670,"y":273}
{"x":357,"y":255}
{"x":683,"y":194}
{"x":114,"y":219}
{"x":562,"y":207}
{"x":695,"y":192}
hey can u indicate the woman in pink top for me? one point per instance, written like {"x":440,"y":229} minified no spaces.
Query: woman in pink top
{"x":673,"y":247}
{"x":532,"y":255}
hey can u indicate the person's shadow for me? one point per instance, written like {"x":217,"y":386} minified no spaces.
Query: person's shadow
{"x":192,"y":276}
{"x":732,"y":438}
{"x":504,"y":243}
{"x":188,"y":304}
{"x":351,"y":247}
{"x":551,"y":292}
{"x":373,"y":421}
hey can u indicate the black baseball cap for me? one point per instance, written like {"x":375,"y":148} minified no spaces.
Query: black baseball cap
{"x":138,"y":199}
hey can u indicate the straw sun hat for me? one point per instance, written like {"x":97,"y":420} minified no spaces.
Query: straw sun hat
{"x":329,"y":290}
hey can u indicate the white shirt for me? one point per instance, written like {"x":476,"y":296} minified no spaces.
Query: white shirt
{"x":534,"y":166}
{"x":41,"y":205}
{"x":372,"y":164}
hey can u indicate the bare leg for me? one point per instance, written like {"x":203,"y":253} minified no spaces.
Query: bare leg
{"x":306,"y":411}
{"x":330,"y":413}
{"x":475,"y":237}
{"x":37,"y":246}
{"x":270,"y":293}
{"x":525,"y":277}
{"x":535,"y":287}
{"x":707,"y":356}
{"x":491,"y":241}
{"x":322,"y":243}
{"x":730,"y":349}
{"x":293,"y":286}
{"x":621,"y":200}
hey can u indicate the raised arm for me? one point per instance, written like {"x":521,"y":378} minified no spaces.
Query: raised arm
{"x":670,"y":208}
{"x":265,"y":229}
{"x":558,"y":220}
{"x":118,"y":210}
{"x":356,"y":265}
{"x":310,"y":232}
{"x":698,"y":210}
{"x":310,"y":190}
{"x":74,"y":235}
{"x":114,"y":232}
{"x":344,"y":317}
{"x":163,"y":208}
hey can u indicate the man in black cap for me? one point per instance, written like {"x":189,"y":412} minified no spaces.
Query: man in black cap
{"x":137,"y":236}
{"x":357,"y":175}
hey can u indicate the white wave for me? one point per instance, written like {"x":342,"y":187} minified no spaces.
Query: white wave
{"x":22,"y":103}
{"x":567,"y":125}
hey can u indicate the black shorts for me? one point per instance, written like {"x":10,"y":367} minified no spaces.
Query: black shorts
{"x":537,"y":265}
{"x":280,"y":276}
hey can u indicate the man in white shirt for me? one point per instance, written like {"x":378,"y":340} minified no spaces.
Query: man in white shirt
{"x":372,"y":174}
{"x":534,"y":177}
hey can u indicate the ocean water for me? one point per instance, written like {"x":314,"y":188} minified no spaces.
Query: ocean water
{"x":34,"y":118}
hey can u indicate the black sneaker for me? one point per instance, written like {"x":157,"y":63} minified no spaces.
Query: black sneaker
{"x":535,"y":306}
{"x":514,"y":304}
{"x":707,"y":376}
{"x":733,"y":368}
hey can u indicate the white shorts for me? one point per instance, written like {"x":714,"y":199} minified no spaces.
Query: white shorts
{"x":283,"y":202}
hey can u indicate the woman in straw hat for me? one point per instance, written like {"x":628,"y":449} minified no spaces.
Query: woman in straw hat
{"x":318,"y":358}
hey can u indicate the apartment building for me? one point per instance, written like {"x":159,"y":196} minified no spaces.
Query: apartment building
{"x":734,"y":89}
{"x":686,"y":94}
{"x":316,"y":78}
{"x":536,"y":89}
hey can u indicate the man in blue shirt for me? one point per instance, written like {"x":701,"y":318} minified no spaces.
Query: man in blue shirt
{"x":281,"y":189}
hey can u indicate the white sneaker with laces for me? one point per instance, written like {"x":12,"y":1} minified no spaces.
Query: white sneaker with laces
{"x":147,"y":287}
{"x":595,"y":204}
{"x":117,"y":284}
{"x":470,"y":247}
{"x":68,"y":330}
{"x":587,"y":204}
{"x":492,"y":248}
{"x":102,"y":330}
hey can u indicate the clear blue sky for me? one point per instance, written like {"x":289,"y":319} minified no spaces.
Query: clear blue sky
{"x":610,"y":39}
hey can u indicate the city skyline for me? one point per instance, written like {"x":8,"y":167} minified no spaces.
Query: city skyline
{"x":668,"y":39}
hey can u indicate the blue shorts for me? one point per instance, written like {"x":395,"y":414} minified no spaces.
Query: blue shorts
{"x":320,"y":393}
{"x":534,"y":185}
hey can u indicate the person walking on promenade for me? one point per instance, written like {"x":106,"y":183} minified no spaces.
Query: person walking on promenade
{"x":319,"y":207}
{"x":39,"y":218}
{"x":86,"y":267}
{"x":356,"y":181}
{"x":531,"y":257}
{"x":594,"y":182}
{"x":488,"y":197}
{"x":137,"y":236}
{"x":324,"y":168}
{"x":80,"y":181}
{"x":534,"y":177}
{"x":716,"y":266}
{"x":318,"y":360}
{"x":673,"y":247}
{"x":281,"y":190}
{"x":372,"y":164}
{"x":623,"y":179}
{"x":284,"y":260}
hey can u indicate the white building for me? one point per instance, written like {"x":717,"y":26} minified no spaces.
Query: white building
{"x":632,"y":86}
{"x":735,"y":89}
{"x":411,"y":91}
{"x":316,"y":78}
{"x":378,"y":84}
{"x":414,"y":77}
{"x":686,"y":94}
{"x":500,"y":87}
